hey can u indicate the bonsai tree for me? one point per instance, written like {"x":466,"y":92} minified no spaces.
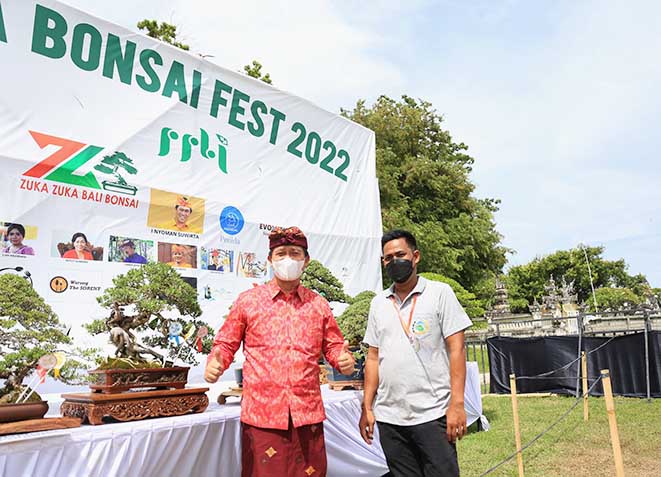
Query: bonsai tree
{"x":353,"y":321}
{"x":110,"y":165}
{"x":318,"y":278}
{"x":29,"y":329}
{"x":138,"y":302}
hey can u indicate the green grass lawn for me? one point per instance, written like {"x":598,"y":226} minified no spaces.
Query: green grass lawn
{"x":573,"y":447}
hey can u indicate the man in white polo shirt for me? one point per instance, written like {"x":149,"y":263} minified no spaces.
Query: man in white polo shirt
{"x":415,"y":367}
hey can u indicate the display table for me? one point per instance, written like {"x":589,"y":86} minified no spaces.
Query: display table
{"x":193,"y":445}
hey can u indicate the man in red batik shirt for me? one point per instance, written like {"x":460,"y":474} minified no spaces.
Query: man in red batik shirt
{"x":284,"y":328}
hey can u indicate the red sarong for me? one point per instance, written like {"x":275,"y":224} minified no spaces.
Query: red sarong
{"x":296,"y":452}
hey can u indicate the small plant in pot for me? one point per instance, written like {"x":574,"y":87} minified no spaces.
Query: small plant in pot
{"x":29,"y":332}
{"x":353,"y":324}
{"x":150,"y":307}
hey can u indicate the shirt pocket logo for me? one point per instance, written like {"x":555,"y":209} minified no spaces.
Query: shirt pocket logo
{"x":420,"y":327}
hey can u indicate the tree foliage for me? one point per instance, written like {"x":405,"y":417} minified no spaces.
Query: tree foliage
{"x":254,"y":70}
{"x":29,"y":329}
{"x":655,"y":294}
{"x":353,"y":321}
{"x":425,"y":187}
{"x":318,"y":278}
{"x":153,"y":291}
{"x":163,"y":31}
{"x":468,"y":300}
{"x":613,"y":299}
{"x":527,"y":281}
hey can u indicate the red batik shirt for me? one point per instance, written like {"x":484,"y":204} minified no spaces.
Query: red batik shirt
{"x":283,"y":336}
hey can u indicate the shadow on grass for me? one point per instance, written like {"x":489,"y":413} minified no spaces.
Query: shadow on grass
{"x":492,"y":416}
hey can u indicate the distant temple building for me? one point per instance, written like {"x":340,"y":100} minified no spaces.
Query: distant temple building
{"x":501,"y":306}
{"x":557,"y":312}
{"x":557,"y":302}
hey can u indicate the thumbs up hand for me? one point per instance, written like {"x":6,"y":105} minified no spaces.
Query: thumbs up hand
{"x":346,"y":362}
{"x":214,"y":369}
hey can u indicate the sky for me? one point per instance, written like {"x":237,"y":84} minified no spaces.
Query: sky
{"x":558,"y":101}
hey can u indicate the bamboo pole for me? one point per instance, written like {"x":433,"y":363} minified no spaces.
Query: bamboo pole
{"x":612,"y":422}
{"x":517,"y":430}
{"x":584,"y":371}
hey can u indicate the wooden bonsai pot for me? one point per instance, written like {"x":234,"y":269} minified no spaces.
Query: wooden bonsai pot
{"x":120,"y":380}
{"x":23,"y":411}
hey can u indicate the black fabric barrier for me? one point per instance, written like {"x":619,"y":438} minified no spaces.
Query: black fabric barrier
{"x":624,"y":356}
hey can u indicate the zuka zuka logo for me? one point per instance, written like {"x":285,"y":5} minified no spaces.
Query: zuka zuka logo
{"x":189,"y":141}
{"x":61,"y":166}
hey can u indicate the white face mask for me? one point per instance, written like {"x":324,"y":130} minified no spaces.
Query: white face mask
{"x":288,"y":269}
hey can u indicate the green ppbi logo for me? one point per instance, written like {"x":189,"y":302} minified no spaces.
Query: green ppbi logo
{"x":189,"y":142}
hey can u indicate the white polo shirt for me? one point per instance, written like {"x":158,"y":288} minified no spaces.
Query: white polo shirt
{"x":414,"y":373}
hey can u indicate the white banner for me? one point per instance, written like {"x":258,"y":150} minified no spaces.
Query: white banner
{"x":132,"y":142}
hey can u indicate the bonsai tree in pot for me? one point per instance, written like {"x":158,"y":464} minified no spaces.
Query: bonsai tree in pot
{"x":153,"y":321}
{"x":320,"y":279}
{"x":139,"y":302}
{"x":353,"y":324}
{"x":29,"y":329}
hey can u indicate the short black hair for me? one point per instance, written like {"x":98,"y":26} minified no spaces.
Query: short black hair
{"x":78,"y":234}
{"x":176,"y":207}
{"x":18,"y":227}
{"x":398,"y":234}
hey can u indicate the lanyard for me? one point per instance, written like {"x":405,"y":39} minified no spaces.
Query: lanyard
{"x":406,"y":327}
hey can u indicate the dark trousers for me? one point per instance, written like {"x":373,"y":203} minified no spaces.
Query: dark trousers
{"x":421,"y":450}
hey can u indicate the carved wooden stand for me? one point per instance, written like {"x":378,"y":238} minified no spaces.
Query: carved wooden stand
{"x":133,"y":406}
{"x":233,"y":392}
{"x":342,"y":385}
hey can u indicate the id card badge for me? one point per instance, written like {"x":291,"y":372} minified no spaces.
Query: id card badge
{"x":421,"y":340}
{"x":414,"y":342}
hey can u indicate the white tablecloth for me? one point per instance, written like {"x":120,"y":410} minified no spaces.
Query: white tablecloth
{"x":193,"y":445}
{"x":472,"y":396}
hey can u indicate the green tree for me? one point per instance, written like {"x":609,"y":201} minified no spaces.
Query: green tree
{"x":468,"y":300}
{"x":110,"y":165}
{"x":353,"y":322}
{"x":656,"y":294}
{"x":614,"y":299}
{"x":527,"y":281}
{"x":518,"y":305}
{"x":485,"y":291}
{"x":29,"y":329}
{"x":318,"y":278}
{"x":153,"y":291}
{"x":162,"y":31}
{"x":425,"y":187}
{"x":254,"y":70}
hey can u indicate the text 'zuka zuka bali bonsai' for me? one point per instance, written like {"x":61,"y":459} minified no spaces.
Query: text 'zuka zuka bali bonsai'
{"x":142,"y":306}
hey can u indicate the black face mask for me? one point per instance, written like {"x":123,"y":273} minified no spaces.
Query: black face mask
{"x":399,"y":269}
